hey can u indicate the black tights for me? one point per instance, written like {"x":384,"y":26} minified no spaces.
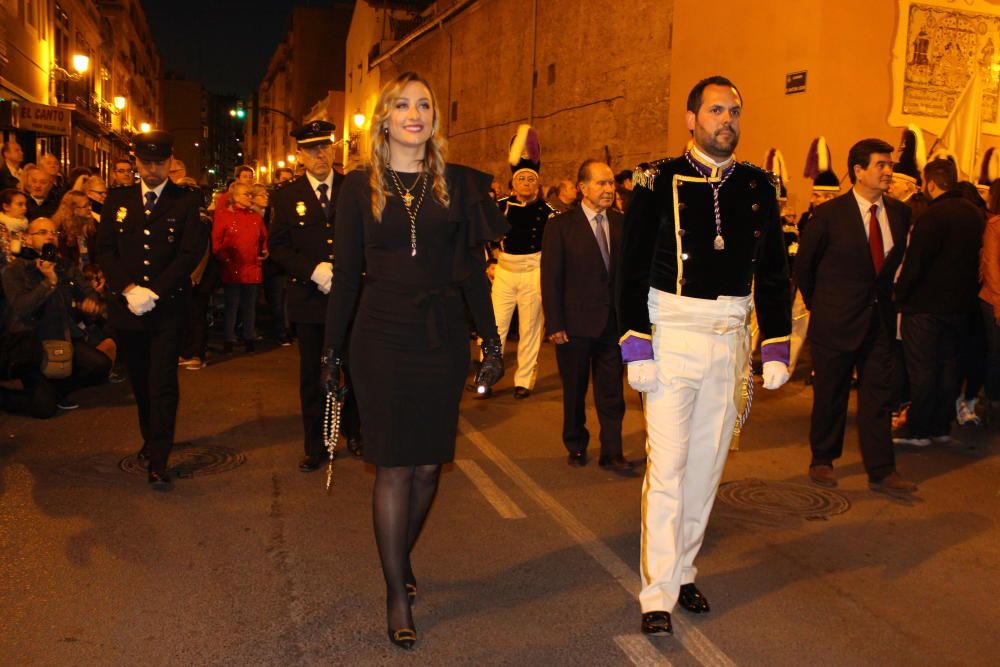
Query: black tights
{"x":400,"y":502}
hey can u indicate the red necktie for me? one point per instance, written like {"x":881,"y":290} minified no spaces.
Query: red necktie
{"x":875,"y":239}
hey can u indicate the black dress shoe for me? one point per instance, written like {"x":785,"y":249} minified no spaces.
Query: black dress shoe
{"x":311,"y":463}
{"x":160,"y":481}
{"x":577,"y":459}
{"x":355,"y":447}
{"x":142,"y":457}
{"x":691,"y":599}
{"x":657,"y":623}
{"x":521,"y":393}
{"x":403,"y":638}
{"x":616,"y":464}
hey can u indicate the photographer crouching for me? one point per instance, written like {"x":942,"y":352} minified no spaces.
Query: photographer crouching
{"x":44,"y":293}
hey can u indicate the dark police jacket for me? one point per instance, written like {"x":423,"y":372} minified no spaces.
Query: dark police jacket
{"x":668,"y":244}
{"x":158,"y":252}
{"x":527,"y":224}
{"x":301,"y":237}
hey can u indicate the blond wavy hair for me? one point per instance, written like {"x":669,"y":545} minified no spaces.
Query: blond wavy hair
{"x":378,"y":159}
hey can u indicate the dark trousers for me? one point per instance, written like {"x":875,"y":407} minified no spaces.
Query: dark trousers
{"x":578,"y":360}
{"x":993,"y":350}
{"x":241,"y":299}
{"x":41,"y":395}
{"x":312,"y":395}
{"x":930,"y":344}
{"x":196,"y":327}
{"x":151,"y":360}
{"x":972,"y":355}
{"x":274,"y":292}
{"x":831,"y":391}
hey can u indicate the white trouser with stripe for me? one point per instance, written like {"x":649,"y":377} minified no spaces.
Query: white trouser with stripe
{"x":701,"y":348}
{"x":517,"y":282}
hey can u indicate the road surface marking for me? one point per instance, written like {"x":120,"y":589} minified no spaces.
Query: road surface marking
{"x":501,"y":502}
{"x":640,"y":651}
{"x":694,"y":641}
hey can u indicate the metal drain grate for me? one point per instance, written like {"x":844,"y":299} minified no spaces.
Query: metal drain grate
{"x":187,"y":460}
{"x":782,"y":499}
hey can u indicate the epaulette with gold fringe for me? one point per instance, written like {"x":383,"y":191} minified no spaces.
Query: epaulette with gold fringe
{"x":645,"y":174}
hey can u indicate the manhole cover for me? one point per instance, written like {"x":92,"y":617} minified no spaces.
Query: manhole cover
{"x":187,"y":460}
{"x":783,"y":498}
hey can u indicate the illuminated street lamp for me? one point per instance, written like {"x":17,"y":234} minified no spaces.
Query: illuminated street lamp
{"x":263,"y":169}
{"x":359,"y":120}
{"x":81,"y":63}
{"x":281,"y":164}
{"x":119,"y":102}
{"x":290,"y":158}
{"x":145,"y":127}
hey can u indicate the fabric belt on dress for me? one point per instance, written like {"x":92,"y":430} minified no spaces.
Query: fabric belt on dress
{"x":428,"y":300}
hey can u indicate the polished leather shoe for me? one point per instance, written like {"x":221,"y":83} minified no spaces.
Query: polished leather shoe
{"x":893,"y":485}
{"x":822,"y":475}
{"x":577,"y":459}
{"x":142,"y":457}
{"x":311,"y":463}
{"x":160,"y":481}
{"x":355,"y":447}
{"x":657,"y":623}
{"x":691,"y":599}
{"x":616,"y":464}
{"x":521,"y":393}
{"x":403,"y":638}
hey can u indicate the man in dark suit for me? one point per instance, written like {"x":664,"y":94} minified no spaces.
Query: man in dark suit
{"x":937,"y":293}
{"x":301,"y":243}
{"x":579,"y":249}
{"x":10,"y":164}
{"x":149,"y":242}
{"x":848,"y":256}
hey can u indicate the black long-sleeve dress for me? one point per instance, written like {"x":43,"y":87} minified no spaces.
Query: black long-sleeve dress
{"x":409,"y":352}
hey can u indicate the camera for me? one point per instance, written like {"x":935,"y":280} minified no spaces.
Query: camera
{"x":49,"y":253}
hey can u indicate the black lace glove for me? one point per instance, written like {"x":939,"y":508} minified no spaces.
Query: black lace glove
{"x":491,"y":369}
{"x":330,"y":375}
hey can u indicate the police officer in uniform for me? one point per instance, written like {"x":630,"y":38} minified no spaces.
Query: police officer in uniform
{"x":701,"y":230}
{"x":149,"y":242}
{"x":301,"y":243}
{"x":517,"y":280}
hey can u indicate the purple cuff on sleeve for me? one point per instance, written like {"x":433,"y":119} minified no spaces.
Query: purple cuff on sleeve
{"x":636,"y":349}
{"x":778,"y":351}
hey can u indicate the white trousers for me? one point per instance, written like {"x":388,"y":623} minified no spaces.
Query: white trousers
{"x":701,"y":349}
{"x":517,"y":282}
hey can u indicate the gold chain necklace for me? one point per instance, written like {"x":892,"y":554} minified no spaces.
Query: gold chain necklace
{"x":407,"y":198}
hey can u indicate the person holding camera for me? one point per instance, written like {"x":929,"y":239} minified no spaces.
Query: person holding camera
{"x":44,"y":293}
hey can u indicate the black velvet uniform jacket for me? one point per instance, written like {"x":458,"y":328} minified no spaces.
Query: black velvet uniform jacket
{"x":668,"y":244}
{"x":158,"y":251}
{"x":300,"y":238}
{"x":527,"y":225}
{"x":835,"y":274}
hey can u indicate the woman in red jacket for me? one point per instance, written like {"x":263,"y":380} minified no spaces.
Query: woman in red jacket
{"x":239,"y":241}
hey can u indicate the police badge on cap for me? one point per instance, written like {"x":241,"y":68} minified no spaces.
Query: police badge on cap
{"x":314,"y":133}
{"x":154,"y":146}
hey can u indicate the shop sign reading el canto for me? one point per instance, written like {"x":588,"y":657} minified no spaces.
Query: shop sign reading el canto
{"x":43,"y":118}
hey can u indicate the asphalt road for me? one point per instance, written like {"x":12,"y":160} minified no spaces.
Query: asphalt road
{"x":524,"y":561}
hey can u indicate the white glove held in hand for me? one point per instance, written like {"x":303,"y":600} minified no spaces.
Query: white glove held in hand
{"x":642,"y":375}
{"x":141,"y":300}
{"x":775,"y":374}
{"x":322,"y":275}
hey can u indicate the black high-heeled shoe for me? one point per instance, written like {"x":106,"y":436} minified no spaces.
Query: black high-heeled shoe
{"x":404,"y":638}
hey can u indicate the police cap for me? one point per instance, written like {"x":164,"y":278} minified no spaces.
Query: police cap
{"x":156,"y":145}
{"x":315,"y":133}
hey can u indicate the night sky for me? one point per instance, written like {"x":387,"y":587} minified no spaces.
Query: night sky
{"x":225,"y":44}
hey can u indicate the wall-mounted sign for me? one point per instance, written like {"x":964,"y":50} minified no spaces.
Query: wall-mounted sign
{"x":35,"y":117}
{"x":795,"y":82}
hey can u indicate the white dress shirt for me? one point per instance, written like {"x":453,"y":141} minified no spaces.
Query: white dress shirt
{"x":158,"y":190}
{"x":883,"y":218}
{"x":314,"y":182}
{"x":591,"y":214}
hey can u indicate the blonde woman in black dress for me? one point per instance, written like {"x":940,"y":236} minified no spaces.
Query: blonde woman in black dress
{"x":415,"y":226}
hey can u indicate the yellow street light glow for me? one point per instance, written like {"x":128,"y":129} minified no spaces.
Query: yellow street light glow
{"x":119,"y":102}
{"x":263,"y":169}
{"x":81,"y":63}
{"x":290,"y":158}
{"x":145,"y":127}
{"x":359,"y":120}
{"x":281,"y":164}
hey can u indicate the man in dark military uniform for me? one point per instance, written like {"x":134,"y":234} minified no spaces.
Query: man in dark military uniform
{"x":700,"y":231}
{"x":149,"y":242}
{"x":517,"y":280}
{"x":301,"y":243}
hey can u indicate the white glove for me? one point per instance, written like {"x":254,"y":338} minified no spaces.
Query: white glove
{"x":642,"y":375}
{"x":775,"y":374}
{"x":141,"y":300}
{"x":322,"y":275}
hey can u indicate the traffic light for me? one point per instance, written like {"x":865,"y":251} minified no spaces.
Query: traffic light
{"x":239,"y":113}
